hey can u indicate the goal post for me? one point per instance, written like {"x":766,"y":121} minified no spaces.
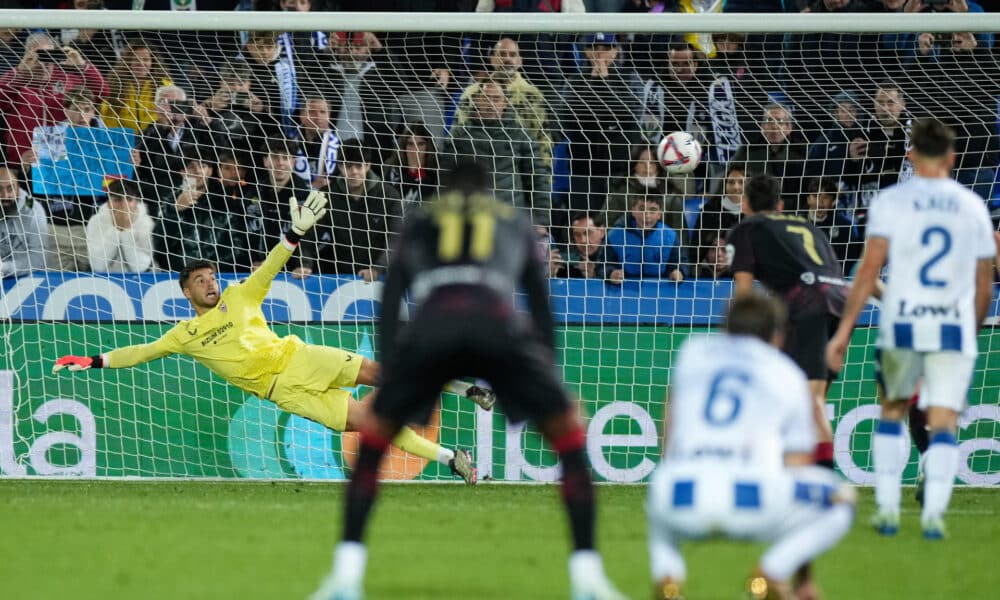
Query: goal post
{"x":166,"y":137}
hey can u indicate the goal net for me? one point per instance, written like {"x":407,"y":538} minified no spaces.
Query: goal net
{"x":140,"y":142}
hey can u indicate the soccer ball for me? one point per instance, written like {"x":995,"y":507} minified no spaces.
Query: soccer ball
{"x":679,"y":152}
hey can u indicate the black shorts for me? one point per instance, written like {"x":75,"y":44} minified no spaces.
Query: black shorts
{"x":805,"y":343}
{"x":433,"y":351}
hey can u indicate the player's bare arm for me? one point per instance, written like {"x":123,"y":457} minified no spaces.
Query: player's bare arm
{"x":742,"y":283}
{"x":876,"y":252}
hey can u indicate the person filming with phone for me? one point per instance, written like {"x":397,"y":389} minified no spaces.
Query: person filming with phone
{"x":31,"y":94}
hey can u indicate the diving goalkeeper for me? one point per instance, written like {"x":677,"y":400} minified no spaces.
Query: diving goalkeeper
{"x":230,"y":336}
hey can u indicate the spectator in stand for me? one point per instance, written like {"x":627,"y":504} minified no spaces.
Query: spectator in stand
{"x":233,"y":174}
{"x":276,"y":188}
{"x":99,"y":46}
{"x":839,"y":142}
{"x":720,"y":214}
{"x":364,"y":82}
{"x":778,"y":150}
{"x":414,"y":170}
{"x":11,"y":48}
{"x":68,"y":215}
{"x":821,"y":209}
{"x":599,"y":117}
{"x":318,"y":143}
{"x":24,"y":234}
{"x":133,"y":82}
{"x":364,"y":214}
{"x":588,"y":256}
{"x":273,"y":80}
{"x":31,"y":94}
{"x":714,"y":261}
{"x":881,"y":149}
{"x":120,"y":234}
{"x":182,"y":128}
{"x":646,"y":177}
{"x":238,"y":111}
{"x":645,"y":246}
{"x":520,"y":176}
{"x":204,"y":223}
{"x":527,"y":102}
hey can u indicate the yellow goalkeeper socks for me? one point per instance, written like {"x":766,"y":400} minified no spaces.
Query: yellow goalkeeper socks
{"x":408,"y":441}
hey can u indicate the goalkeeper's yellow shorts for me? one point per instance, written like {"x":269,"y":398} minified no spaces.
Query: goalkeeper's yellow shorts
{"x":310,"y":386}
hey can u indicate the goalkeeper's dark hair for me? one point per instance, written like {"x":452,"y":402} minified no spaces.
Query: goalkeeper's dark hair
{"x":468,"y":177}
{"x":932,"y":138}
{"x":763,"y":192}
{"x":756,"y":315}
{"x":189,"y":269}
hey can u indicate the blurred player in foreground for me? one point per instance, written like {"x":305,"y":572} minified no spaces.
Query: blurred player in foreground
{"x":738,"y":461}
{"x":461,"y":258}
{"x":230,"y":336}
{"x":938,"y":241}
{"x":794,"y":259}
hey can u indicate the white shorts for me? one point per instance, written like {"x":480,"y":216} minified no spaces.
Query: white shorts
{"x":697,"y":501}
{"x":946,"y":376}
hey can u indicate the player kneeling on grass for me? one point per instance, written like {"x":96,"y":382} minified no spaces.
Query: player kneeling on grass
{"x":739,"y":458}
{"x":230,"y":336}
{"x":937,"y":239}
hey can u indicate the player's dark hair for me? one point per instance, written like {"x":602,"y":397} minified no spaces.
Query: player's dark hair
{"x":763,"y":192}
{"x":468,"y":177}
{"x":932,"y":138}
{"x":188,"y":269}
{"x":756,"y":315}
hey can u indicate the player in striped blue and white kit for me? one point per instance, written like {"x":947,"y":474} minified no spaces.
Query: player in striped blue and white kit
{"x":938,"y":242}
{"x":739,"y":457}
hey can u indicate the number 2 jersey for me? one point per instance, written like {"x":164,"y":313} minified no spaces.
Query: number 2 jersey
{"x":738,"y":401}
{"x":937,"y":231}
{"x":792,"y":258}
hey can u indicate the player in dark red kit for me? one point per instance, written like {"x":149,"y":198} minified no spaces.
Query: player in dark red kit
{"x":461,"y":258}
{"x":793,"y":259}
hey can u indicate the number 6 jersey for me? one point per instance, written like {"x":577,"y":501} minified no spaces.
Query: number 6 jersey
{"x":937,"y":231}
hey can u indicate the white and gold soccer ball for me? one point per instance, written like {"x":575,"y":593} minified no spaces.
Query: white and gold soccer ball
{"x":679,"y":152}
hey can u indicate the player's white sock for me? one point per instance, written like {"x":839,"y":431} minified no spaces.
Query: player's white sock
{"x":889,"y":456}
{"x":584,"y":565}
{"x":806,"y":543}
{"x":349,"y":563}
{"x":940,"y":467}
{"x":445,"y":455}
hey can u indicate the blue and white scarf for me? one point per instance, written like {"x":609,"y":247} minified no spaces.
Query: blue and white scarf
{"x":725,"y":125}
{"x":326,"y":162}
{"x":284,"y":71}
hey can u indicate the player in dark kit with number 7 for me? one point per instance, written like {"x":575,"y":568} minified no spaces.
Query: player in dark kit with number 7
{"x":793,"y":259}
{"x":461,"y":259}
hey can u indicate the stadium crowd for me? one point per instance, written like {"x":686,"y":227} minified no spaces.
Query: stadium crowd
{"x":226,"y":127}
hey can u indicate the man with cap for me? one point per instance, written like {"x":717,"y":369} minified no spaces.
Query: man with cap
{"x":599,"y":116}
{"x":840,"y":141}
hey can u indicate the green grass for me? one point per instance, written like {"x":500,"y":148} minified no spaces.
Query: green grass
{"x":183,"y":540}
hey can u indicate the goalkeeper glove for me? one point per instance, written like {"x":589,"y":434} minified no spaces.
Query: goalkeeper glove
{"x":307,"y":215}
{"x":77,"y":363}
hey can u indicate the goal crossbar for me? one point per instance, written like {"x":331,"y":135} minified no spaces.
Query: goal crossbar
{"x":497,"y":23}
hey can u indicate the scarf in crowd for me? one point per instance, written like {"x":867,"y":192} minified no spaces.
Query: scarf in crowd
{"x":653,"y":111}
{"x":906,"y":169}
{"x":326,"y":162}
{"x":284,"y":71}
{"x":725,"y":125}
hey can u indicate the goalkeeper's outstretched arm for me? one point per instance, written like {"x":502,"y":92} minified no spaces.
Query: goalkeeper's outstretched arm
{"x":120,"y":358}
{"x":303,"y":217}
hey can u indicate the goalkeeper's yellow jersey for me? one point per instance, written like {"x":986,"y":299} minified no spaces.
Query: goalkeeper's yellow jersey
{"x":232,"y":340}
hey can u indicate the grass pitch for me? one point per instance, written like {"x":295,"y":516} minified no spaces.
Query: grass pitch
{"x":184,"y":540}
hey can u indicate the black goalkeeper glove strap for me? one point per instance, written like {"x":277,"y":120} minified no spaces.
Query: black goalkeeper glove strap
{"x":292,"y":236}
{"x":97,"y":361}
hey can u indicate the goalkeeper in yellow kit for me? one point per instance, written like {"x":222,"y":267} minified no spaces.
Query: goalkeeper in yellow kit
{"x":230,"y":336}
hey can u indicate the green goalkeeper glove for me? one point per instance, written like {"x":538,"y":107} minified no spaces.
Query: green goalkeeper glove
{"x":307,"y":215}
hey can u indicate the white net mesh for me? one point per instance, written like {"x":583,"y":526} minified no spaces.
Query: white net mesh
{"x":142,"y":151}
